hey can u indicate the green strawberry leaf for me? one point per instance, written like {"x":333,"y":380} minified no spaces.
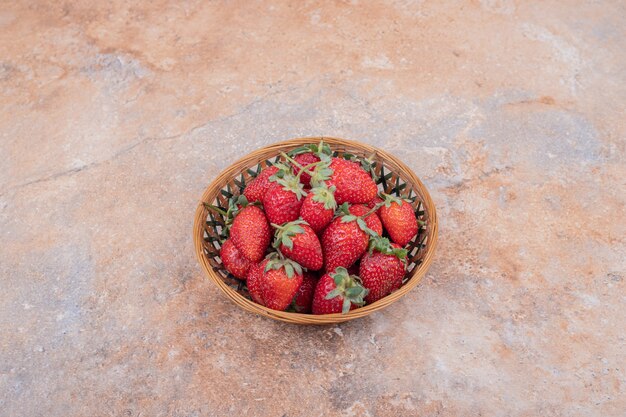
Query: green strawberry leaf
{"x":324,"y":195}
{"x":289,"y":270}
{"x":369,"y":165}
{"x":286,"y":240}
{"x":297,"y":267}
{"x":400,"y":253}
{"x":283,"y":167}
{"x":242,"y":200}
{"x":299,"y":150}
{"x":323,"y":149}
{"x":383,"y":245}
{"x":339,"y":276}
{"x":285,"y":232}
{"x":214,"y":208}
{"x":334,"y":293}
{"x":354,"y":292}
{"x":388,"y":199}
{"x":346,"y":306}
{"x":325,"y":158}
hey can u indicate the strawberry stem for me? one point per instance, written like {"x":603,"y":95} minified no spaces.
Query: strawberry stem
{"x":373,"y":209}
{"x":293,"y":161}
{"x":215,"y":209}
{"x":305,"y":168}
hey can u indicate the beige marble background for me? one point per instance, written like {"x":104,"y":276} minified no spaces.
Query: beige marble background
{"x":116,"y":115}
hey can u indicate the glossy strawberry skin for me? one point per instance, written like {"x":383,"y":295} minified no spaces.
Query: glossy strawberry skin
{"x":256,"y":189}
{"x":306,"y":250}
{"x":381,"y":274}
{"x":277,"y":289}
{"x":233,"y":260}
{"x":320,"y":304}
{"x":253,"y":282}
{"x":281,"y":206}
{"x":314,"y":213}
{"x":250,"y":232}
{"x":399,"y":221}
{"x":343,"y":244}
{"x":304,"y":159}
{"x":372,"y":221}
{"x":354,"y":184}
{"x":303,"y":299}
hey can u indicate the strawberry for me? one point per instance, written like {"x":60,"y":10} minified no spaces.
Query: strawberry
{"x":281,"y":205}
{"x":256,"y":189}
{"x":373,"y":202}
{"x":382,"y":268}
{"x":283,"y":199}
{"x":298,"y":241}
{"x":304,"y":159}
{"x":399,"y":219}
{"x":233,"y":260}
{"x":338,"y":292}
{"x":280,"y":280}
{"x":353,"y":183}
{"x":319,"y":207}
{"x":253,"y":281}
{"x":304,"y":297}
{"x":306,"y":156}
{"x":345,"y":240}
{"x":250,"y":233}
{"x":372,"y":221}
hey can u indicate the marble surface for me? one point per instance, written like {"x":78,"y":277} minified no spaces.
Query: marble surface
{"x":115,"y":117}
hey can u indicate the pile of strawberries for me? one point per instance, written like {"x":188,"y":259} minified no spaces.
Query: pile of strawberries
{"x":337,"y":244}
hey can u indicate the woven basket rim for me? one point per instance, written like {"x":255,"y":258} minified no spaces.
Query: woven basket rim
{"x":298,"y":318}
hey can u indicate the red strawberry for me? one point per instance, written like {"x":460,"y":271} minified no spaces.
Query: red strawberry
{"x":319,"y":207}
{"x":399,"y":220}
{"x":304,"y":297}
{"x":382,"y":268}
{"x":354,"y":184}
{"x":373,"y":202}
{"x":305,"y":159}
{"x":233,"y":260}
{"x":297,"y":241}
{"x":253,"y":281}
{"x":283,"y":199}
{"x":372,"y":221}
{"x":280,"y":280}
{"x":307,"y":155}
{"x":256,"y":189}
{"x":338,"y":292}
{"x":343,"y":242}
{"x":250,"y":233}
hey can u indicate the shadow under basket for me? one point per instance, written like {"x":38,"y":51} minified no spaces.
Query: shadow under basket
{"x":394,"y":178}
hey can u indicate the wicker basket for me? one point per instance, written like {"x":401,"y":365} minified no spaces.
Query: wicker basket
{"x":395,"y":178}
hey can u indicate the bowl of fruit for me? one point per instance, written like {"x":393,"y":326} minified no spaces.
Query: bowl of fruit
{"x":315,"y":230}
